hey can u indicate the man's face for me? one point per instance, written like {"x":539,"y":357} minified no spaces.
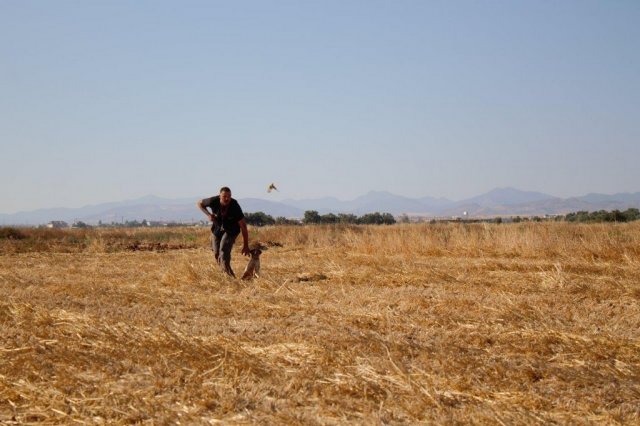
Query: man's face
{"x":225,"y":198}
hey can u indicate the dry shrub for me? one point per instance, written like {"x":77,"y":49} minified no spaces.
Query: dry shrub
{"x":10,"y":233}
{"x":446,"y":323}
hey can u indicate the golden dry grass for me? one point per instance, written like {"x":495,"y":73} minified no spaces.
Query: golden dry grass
{"x":451,"y":323}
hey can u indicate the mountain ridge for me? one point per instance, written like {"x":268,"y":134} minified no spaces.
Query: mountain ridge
{"x":505,"y":201}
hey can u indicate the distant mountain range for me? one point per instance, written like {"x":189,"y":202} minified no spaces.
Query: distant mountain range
{"x":497,"y":202}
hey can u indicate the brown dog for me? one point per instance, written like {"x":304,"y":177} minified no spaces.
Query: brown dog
{"x":253,"y":268}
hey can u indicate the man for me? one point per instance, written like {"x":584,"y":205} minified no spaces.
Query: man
{"x":228,"y":221}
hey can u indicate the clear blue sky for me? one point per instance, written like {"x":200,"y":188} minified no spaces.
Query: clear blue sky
{"x":112,"y":100}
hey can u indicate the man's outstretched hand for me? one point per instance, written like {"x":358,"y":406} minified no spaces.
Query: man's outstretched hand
{"x":245,"y":250}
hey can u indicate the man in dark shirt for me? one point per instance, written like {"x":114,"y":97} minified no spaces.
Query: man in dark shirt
{"x":228,"y":222}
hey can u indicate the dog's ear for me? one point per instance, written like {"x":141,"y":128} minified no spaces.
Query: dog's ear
{"x":258,"y":246}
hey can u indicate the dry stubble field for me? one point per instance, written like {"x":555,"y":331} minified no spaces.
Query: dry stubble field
{"x":449,"y":323}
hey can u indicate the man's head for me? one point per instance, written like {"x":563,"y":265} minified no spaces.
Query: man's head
{"x":225,"y":195}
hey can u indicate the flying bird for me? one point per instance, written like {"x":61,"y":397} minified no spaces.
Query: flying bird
{"x":271,"y":187}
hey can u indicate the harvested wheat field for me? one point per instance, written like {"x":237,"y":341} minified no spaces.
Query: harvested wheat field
{"x":530,"y":323}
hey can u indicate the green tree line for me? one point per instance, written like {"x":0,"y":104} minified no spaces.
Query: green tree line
{"x":313,"y":217}
{"x":628,"y":215}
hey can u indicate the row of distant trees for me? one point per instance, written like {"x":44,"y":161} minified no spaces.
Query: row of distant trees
{"x":313,"y":217}
{"x":130,"y":224}
{"x":628,"y":215}
{"x":599,"y":216}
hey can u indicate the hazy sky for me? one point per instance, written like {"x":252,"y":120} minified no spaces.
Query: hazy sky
{"x":112,"y":100}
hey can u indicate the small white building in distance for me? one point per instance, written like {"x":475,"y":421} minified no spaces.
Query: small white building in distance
{"x":57,"y":224}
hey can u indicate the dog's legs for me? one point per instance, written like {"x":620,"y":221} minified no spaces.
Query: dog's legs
{"x":249,"y":270}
